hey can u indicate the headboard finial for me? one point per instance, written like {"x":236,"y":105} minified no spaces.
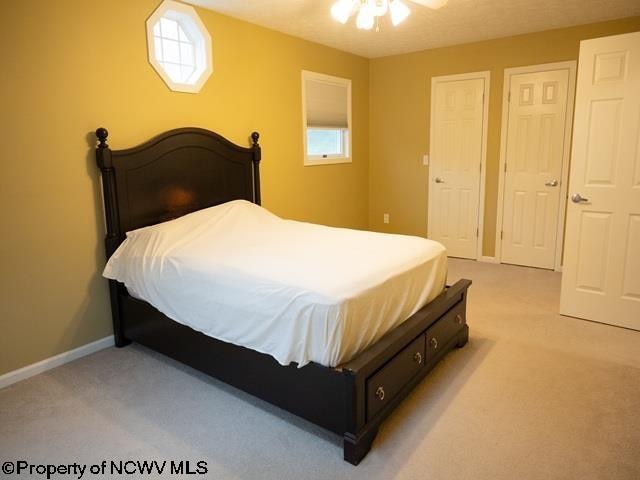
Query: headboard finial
{"x":255,"y":136}
{"x":102,"y":135}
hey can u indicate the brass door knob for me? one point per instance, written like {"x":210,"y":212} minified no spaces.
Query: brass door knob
{"x":380,"y":393}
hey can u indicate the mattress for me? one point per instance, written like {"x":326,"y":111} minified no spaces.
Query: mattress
{"x":297,"y":291}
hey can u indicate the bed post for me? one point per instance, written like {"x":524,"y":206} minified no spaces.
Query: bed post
{"x":257,"y":156}
{"x":103,"y":157}
{"x":113,"y":235}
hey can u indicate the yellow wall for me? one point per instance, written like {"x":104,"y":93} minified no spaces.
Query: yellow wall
{"x":400,"y":106}
{"x":69,"y":67}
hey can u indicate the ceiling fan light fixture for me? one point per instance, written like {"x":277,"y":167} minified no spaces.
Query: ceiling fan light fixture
{"x":378,"y":7}
{"x":365,"y":18}
{"x":341,"y":10}
{"x":369,"y":11}
{"x":399,"y":12}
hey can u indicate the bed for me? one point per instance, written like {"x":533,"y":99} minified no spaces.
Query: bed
{"x":184,"y":178}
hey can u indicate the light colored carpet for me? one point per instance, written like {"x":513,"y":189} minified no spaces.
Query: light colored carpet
{"x":532,"y":396}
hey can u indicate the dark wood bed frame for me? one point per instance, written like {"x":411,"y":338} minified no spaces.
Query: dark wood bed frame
{"x":188,"y":169}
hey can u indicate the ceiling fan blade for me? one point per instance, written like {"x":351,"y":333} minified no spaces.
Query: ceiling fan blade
{"x":435,"y":4}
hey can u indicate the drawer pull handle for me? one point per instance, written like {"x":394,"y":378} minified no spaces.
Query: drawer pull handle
{"x":434,"y":343}
{"x":380,"y":393}
{"x":417,"y":358}
{"x":459,"y":319}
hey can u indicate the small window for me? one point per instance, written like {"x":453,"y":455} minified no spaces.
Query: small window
{"x":179,"y":47}
{"x":326,"y":109}
{"x":332,"y":142}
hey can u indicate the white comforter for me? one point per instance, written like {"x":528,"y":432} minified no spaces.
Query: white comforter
{"x":297,"y":291}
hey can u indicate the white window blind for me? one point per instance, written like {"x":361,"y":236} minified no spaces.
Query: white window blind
{"x":326,"y":107}
{"x":327,"y":104}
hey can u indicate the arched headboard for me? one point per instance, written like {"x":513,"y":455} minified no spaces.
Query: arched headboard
{"x":175,"y":173}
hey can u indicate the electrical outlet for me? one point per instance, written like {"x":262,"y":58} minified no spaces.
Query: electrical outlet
{"x":425,"y":160}
{"x":385,"y":218}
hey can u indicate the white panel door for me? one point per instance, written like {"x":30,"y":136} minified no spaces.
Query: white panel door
{"x":535,"y":148}
{"x":601,"y":272}
{"x":456,"y":154}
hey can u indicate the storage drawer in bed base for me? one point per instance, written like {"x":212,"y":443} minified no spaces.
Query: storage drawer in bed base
{"x":390,"y":379}
{"x":385,"y":384}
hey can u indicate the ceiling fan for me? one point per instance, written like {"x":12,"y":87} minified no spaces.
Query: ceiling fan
{"x":368,"y":11}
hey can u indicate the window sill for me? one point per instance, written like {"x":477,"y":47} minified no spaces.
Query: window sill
{"x":311,"y":161}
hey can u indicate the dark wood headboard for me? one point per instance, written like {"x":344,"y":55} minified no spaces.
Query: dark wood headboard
{"x":175,"y":173}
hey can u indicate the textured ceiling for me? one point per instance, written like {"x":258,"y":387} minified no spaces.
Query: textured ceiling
{"x":460,"y":21}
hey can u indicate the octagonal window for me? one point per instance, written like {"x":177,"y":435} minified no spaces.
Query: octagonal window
{"x":179,"y":47}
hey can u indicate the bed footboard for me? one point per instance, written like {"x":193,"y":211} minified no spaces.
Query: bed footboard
{"x":382,"y":376}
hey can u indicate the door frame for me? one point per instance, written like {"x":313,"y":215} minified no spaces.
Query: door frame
{"x":566,"y":154}
{"x":486,"y":76}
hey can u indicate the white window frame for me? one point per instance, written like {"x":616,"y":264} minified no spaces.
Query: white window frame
{"x":190,"y":22}
{"x":344,"y":134}
{"x":347,"y":135}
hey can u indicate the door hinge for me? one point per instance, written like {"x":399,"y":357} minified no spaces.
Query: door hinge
{"x":505,"y":168}
{"x":501,"y":234}
{"x":483,"y":98}
{"x":509,"y":96}
{"x":480,"y":167}
{"x":478,"y":232}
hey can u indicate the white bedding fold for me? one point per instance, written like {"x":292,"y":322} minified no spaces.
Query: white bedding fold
{"x":297,"y":291}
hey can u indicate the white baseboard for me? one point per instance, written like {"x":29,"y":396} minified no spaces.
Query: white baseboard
{"x":53,"y":362}
{"x":488,"y":259}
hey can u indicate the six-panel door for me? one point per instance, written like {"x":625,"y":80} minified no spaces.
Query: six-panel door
{"x":454,"y":173}
{"x":601,"y":272}
{"x":535,"y":148}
